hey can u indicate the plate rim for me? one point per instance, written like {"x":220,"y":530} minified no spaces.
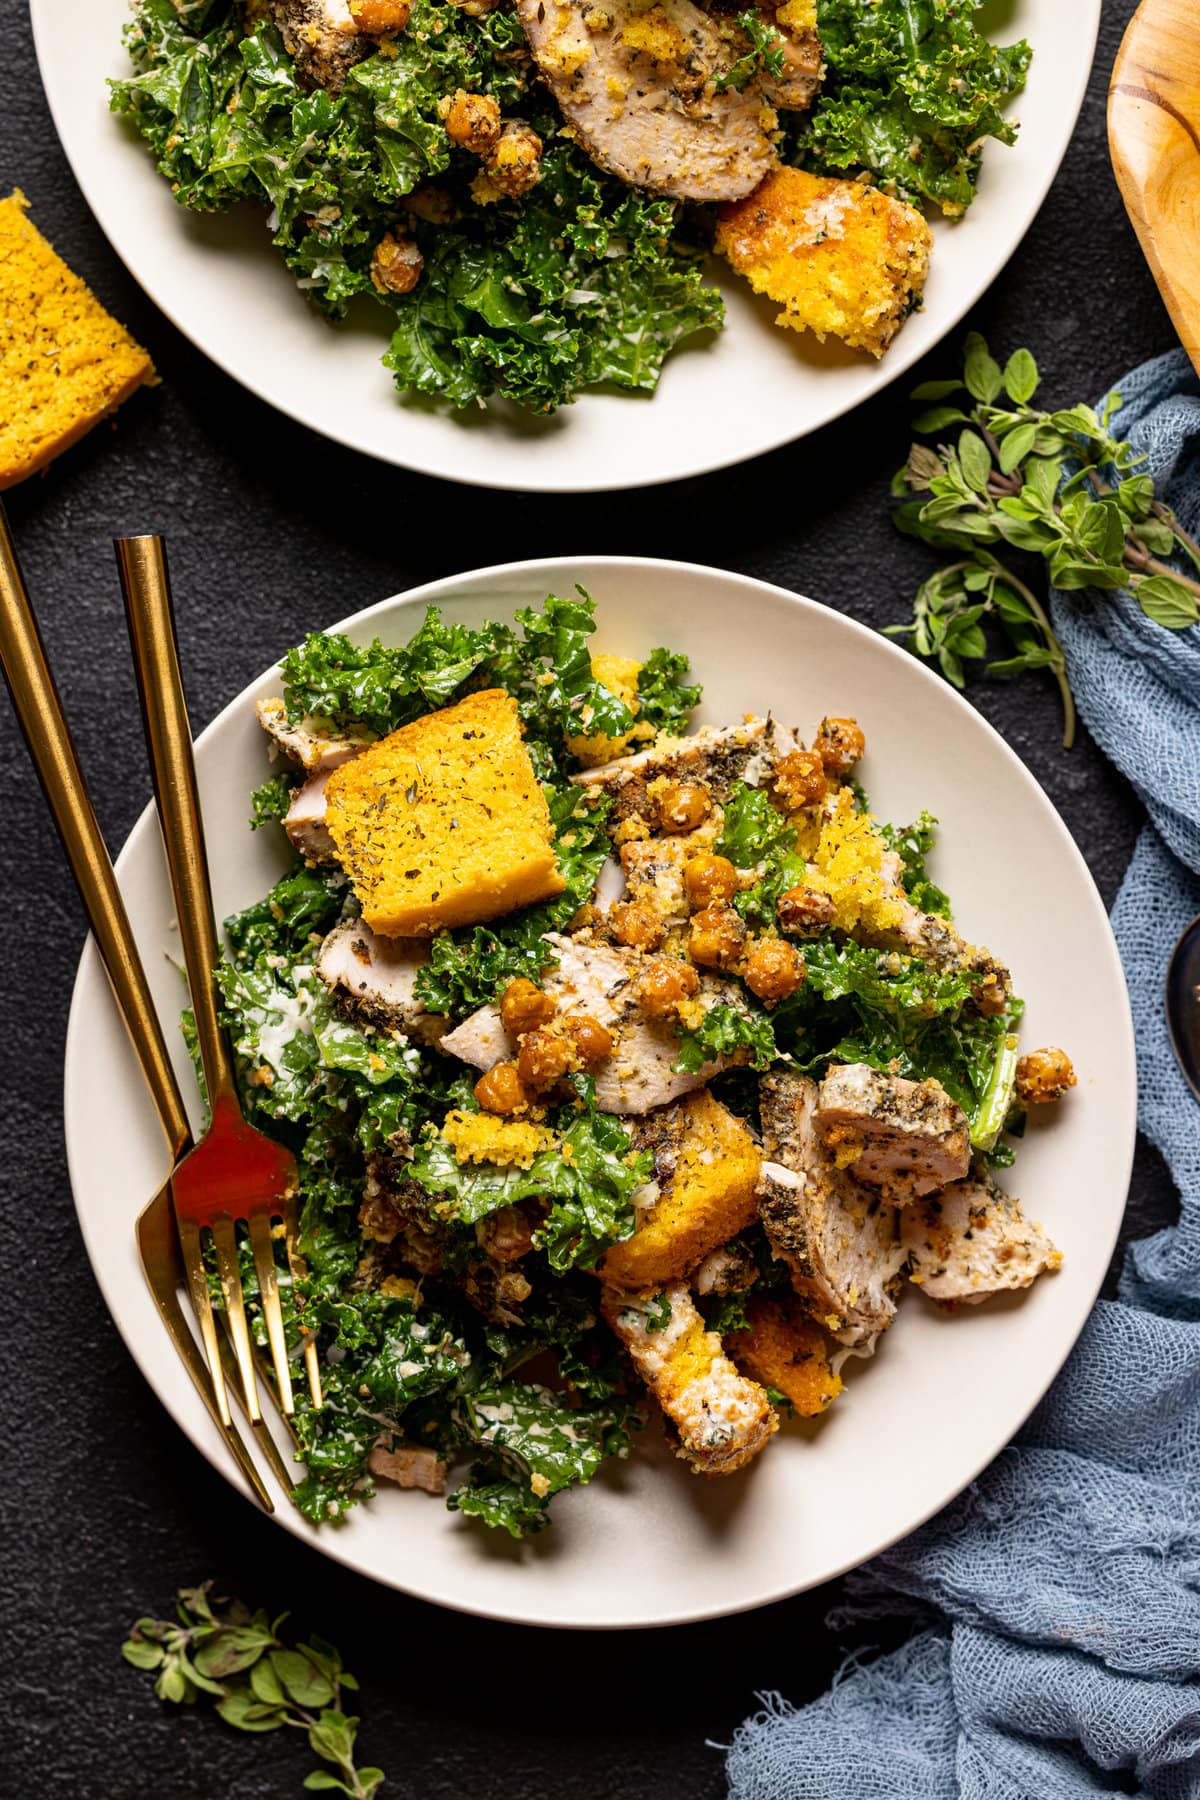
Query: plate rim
{"x":896,"y":362}
{"x":439,"y":591}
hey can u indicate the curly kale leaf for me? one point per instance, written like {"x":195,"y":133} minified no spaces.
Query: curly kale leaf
{"x":913,"y":88}
{"x":665,"y":698}
{"x":756,"y":836}
{"x":764,"y":54}
{"x":589,"y":1176}
{"x":533,"y":1446}
{"x":913,"y":844}
{"x":728,"y":1031}
{"x":303,"y":905}
{"x":270,"y":800}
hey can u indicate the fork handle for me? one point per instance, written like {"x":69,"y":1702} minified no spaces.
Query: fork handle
{"x":146,"y":585}
{"x":40,"y":713}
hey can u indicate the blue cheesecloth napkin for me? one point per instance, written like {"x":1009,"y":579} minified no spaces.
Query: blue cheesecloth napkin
{"x":1059,"y":1596}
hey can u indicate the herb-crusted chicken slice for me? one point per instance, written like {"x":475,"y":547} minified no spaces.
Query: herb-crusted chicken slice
{"x":305,"y":823}
{"x":720,"y":1420}
{"x":837,"y":1237}
{"x":322,"y":39}
{"x":973,"y":1240}
{"x":600,"y":982}
{"x":635,"y":86}
{"x":795,"y":87}
{"x":314,"y":750}
{"x":716,"y":757}
{"x":376,"y":978}
{"x":906,"y":1138}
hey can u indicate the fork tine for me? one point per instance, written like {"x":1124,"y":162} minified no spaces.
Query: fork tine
{"x":193,"y":1262}
{"x":262,"y":1431}
{"x":164,"y":1272}
{"x":225,"y":1245}
{"x":268,"y":1284}
{"x":312,"y":1366}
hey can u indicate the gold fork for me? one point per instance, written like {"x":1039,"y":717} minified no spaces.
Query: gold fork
{"x":39,"y":712}
{"x":235,"y":1174}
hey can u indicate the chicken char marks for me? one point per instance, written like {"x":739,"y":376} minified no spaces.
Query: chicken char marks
{"x":636,"y":88}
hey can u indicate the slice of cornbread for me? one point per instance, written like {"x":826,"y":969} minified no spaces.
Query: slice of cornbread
{"x":443,"y":823}
{"x":64,"y":362}
{"x":707,"y":1167}
{"x":785,"y":1350}
{"x":839,"y":257}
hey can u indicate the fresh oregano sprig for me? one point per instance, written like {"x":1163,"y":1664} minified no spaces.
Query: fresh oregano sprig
{"x":1056,"y":484}
{"x":259,"y":1683}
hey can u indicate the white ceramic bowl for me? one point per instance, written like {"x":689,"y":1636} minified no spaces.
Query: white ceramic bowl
{"x":648,"y":1543}
{"x":749,"y":389}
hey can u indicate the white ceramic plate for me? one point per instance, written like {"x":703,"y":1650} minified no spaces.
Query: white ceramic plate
{"x":648,"y":1543}
{"x":752,"y":388}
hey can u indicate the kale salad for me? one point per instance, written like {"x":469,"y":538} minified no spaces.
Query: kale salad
{"x":531,"y":193}
{"x":629,"y":1068}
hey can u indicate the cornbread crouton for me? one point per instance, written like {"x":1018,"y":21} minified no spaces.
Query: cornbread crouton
{"x":838,"y":257}
{"x":787,"y":1351}
{"x":706,"y":1168}
{"x":972,"y":1240}
{"x":619,"y":674}
{"x":64,"y":362}
{"x":443,"y":822}
{"x":720,"y":1419}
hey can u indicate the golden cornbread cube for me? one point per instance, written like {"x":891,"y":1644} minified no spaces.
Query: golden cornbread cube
{"x":717,"y":1419}
{"x":710,"y":1167}
{"x":840,"y":258}
{"x":443,"y":823}
{"x":787,"y":1350}
{"x":64,"y":362}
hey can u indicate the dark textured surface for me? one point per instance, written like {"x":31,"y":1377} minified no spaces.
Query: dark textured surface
{"x":106,"y":1507}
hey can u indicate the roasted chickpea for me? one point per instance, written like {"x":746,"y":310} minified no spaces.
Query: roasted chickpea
{"x":636,"y":926}
{"x":708,"y":880}
{"x":515,"y":165}
{"x":431,"y":203}
{"x":374,"y":17}
{"x":473,"y":122}
{"x":543,"y":1059}
{"x":1043,"y":1077}
{"x":592,"y":1041}
{"x":665,"y":985}
{"x":800,"y":779}
{"x":840,"y":744}
{"x":523,"y":1006}
{"x":683,"y":805}
{"x":501,"y":1090}
{"x":717,"y":937}
{"x":397,"y":263}
{"x":773,"y":970}
{"x":804,"y":911}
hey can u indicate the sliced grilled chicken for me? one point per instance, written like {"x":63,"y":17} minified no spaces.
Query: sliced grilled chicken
{"x":653,"y":869}
{"x":321,"y":38}
{"x":315,"y":751}
{"x":715,"y":756}
{"x":635,"y":86}
{"x":795,"y":88}
{"x":305,"y":820}
{"x":973,"y":1240}
{"x":936,"y":940}
{"x":906,"y":1138}
{"x":838,"y":1238}
{"x":409,"y":1466}
{"x":600,"y":980}
{"x":721,"y":1420}
{"x":377,"y":978}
